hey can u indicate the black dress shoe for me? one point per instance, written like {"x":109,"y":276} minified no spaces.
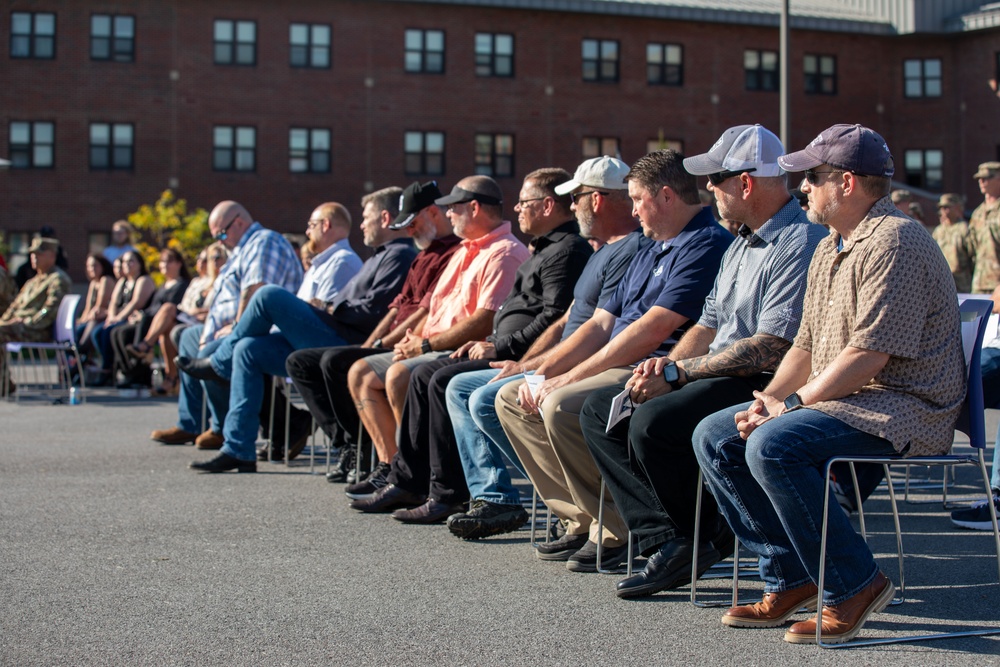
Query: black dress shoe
{"x":387,"y":499}
{"x":224,"y":463}
{"x":668,"y":568}
{"x":560,"y":549}
{"x":433,"y":511}
{"x":277,"y":454}
{"x":200,"y":369}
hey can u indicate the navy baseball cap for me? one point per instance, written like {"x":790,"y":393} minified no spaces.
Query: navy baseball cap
{"x":853,"y":148}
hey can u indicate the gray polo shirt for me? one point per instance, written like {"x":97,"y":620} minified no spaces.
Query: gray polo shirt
{"x":762,"y":281}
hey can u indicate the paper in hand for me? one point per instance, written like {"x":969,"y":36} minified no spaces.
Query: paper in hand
{"x":621,"y":407}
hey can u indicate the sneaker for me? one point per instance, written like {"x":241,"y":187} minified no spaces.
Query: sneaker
{"x":560,"y":549}
{"x":977,"y":517}
{"x":370,"y":484}
{"x":345,"y":465}
{"x":585,"y":560}
{"x":486,"y":519}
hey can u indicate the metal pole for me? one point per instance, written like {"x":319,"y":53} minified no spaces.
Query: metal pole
{"x":783,"y":73}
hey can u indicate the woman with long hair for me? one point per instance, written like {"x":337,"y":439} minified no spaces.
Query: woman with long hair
{"x":131,"y":294}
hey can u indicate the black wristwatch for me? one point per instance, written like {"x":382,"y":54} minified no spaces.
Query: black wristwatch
{"x":672,"y":376}
{"x":425,"y":346}
{"x":793,"y":402}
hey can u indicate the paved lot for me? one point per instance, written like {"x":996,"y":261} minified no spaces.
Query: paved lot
{"x":114,"y":553}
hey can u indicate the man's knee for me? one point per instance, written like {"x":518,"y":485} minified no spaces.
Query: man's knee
{"x":397,"y":380}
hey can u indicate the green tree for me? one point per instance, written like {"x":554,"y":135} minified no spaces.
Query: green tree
{"x":168,"y":224}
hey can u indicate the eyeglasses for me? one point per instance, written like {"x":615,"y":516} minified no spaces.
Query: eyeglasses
{"x":522,"y":202}
{"x":313,"y":222}
{"x":577,"y":196}
{"x":216,"y":258}
{"x":721,"y":177}
{"x":451,"y":207}
{"x":812,"y":176}
{"x":222,"y":236}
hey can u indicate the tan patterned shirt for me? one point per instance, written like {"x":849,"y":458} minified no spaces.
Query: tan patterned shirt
{"x":984,"y":228}
{"x":889,"y":290}
{"x":956,"y":244}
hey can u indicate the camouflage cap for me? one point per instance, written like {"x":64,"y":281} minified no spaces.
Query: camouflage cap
{"x":950,"y":199}
{"x":987,"y":170}
{"x":901,"y":196}
{"x":43,"y":243}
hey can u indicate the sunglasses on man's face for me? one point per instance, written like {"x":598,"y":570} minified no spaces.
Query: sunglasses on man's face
{"x":813,"y":176}
{"x":721,"y":177}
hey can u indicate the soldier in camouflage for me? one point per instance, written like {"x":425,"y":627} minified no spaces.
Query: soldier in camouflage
{"x":984,"y":228}
{"x":952,"y":235}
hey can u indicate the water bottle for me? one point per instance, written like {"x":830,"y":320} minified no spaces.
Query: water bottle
{"x":157,"y":377}
{"x":74,"y":396}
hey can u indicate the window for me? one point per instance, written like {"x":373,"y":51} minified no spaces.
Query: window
{"x":494,"y":54}
{"x":308,"y":150}
{"x":665,"y":64}
{"x":598,"y":146}
{"x":234,"y":148}
{"x":760,"y":70}
{"x":32,"y":145}
{"x":235,"y":42}
{"x":32,"y":35}
{"x":424,"y":51}
{"x":310,"y":45}
{"x":111,"y":145}
{"x":922,"y":78}
{"x":600,"y":60}
{"x":424,"y":153}
{"x":661,"y":143}
{"x":495,"y":154}
{"x":112,"y":38}
{"x":925,"y":168}
{"x":821,"y":74}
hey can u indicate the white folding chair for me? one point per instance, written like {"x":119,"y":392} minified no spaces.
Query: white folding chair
{"x":32,"y":358}
{"x":975,"y":314}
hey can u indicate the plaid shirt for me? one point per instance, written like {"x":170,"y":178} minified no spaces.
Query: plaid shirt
{"x":261,"y":256}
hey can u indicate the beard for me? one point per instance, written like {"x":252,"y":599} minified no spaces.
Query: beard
{"x":822,"y":216}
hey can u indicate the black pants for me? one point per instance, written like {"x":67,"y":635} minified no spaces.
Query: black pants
{"x":135,"y":370}
{"x":428,"y":460}
{"x":320,"y":374}
{"x":655,"y":482}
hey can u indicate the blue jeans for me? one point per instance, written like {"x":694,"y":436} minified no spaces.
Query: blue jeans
{"x":770,"y":490}
{"x":250,"y":352}
{"x":482,"y":444}
{"x":990,"y":359}
{"x":192,"y":390}
{"x":100,"y":336}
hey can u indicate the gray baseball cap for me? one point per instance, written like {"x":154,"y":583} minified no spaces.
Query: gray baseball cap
{"x":606,"y":173}
{"x":741,"y":148}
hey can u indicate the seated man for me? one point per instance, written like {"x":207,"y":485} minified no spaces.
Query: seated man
{"x":748,"y":323}
{"x":480,"y":440}
{"x":470,"y":290}
{"x":427,"y":465}
{"x":857,"y":381}
{"x":258,"y":257}
{"x":251,"y":351}
{"x":663,"y":289}
{"x":31,"y":315}
{"x":320,"y":374}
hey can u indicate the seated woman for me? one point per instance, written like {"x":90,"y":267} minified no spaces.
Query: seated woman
{"x":177,"y":278}
{"x":95,"y":307}
{"x":192,"y":309}
{"x":132,"y":293}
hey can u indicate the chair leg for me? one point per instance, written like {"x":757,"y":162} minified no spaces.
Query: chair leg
{"x":989,"y":502}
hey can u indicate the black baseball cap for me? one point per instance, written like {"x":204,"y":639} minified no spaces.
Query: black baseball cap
{"x":414,"y":199}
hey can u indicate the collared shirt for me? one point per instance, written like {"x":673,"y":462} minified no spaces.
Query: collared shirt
{"x":762,"y":282}
{"x":984,"y":227}
{"x":330,"y":271}
{"x":542,"y":291}
{"x":479,"y":276}
{"x":677,"y":275}
{"x":889,"y":290}
{"x":37,"y":304}
{"x":261,"y":257}
{"x":358,"y":307}
{"x":423,"y":276}
{"x":600,"y":278}
{"x":955,"y":242}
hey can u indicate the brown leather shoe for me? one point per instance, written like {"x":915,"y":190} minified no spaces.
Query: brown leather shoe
{"x":842,"y":622}
{"x":773,"y":610}
{"x":209,"y":440}
{"x":173,"y":436}
{"x":432,"y":511}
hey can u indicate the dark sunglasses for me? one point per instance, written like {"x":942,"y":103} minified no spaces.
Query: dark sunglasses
{"x":812,"y":176}
{"x":721,"y":177}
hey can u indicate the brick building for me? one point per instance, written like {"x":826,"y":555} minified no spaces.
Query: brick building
{"x":283,"y":105}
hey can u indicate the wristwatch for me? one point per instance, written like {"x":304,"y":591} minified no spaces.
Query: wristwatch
{"x":793,"y":402}
{"x":377,"y":342}
{"x":425,"y":346}
{"x":672,"y":376}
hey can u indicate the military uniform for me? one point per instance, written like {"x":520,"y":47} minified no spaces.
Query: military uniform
{"x":984,"y":231}
{"x":8,"y":289}
{"x":36,"y":305}
{"x":956,"y":244}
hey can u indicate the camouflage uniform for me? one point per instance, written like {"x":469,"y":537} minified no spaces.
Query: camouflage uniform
{"x":984,"y":230}
{"x":956,"y":244}
{"x":37,"y":305}
{"x":8,"y":289}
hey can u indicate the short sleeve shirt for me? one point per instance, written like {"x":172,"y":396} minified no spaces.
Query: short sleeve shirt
{"x":889,"y":290}
{"x":423,"y":276}
{"x":600,"y":278}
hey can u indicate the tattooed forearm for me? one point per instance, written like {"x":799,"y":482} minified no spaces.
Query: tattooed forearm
{"x":745,"y":357}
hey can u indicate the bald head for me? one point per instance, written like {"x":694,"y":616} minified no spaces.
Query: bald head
{"x":330,"y":223}
{"x":231,"y":219}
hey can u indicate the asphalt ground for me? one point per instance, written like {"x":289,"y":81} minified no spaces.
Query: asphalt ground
{"x":114,"y":553}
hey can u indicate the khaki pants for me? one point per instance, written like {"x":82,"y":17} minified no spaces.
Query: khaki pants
{"x":556,"y":458}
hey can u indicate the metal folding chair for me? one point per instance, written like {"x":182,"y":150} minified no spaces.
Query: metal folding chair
{"x":975,"y":313}
{"x":32,"y":358}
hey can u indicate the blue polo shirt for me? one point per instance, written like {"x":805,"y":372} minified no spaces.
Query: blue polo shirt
{"x":677,"y":275}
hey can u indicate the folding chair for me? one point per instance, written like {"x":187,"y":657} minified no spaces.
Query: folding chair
{"x":975,"y":314}
{"x":277,"y":382}
{"x":30,"y":356}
